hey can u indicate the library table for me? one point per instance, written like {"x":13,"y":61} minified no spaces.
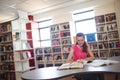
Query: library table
{"x":51,"y":73}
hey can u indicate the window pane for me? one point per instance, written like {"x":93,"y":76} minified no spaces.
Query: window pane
{"x":45,"y":23}
{"x":45,"y":33}
{"x":46,"y":43}
{"x":85,"y":15}
{"x":87,"y":26}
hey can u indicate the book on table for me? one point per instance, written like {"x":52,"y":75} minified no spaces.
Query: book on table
{"x":98,"y":63}
{"x":73,"y":65}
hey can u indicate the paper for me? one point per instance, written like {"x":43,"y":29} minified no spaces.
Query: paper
{"x":97,"y":63}
{"x":73,"y":65}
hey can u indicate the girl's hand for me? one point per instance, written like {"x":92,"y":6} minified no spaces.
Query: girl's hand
{"x":80,"y":61}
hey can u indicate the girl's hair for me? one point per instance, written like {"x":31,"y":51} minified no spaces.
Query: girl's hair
{"x":84,"y":45}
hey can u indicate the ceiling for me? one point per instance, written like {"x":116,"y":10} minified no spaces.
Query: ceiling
{"x":9,"y":8}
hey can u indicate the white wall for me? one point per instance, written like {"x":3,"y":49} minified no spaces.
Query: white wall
{"x":65,"y":14}
{"x":104,"y":9}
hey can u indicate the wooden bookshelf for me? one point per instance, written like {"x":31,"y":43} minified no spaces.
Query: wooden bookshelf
{"x":23,"y":47}
{"x":60,"y":46}
{"x":16,"y":49}
{"x":107,"y":36}
{"x":7,"y":65}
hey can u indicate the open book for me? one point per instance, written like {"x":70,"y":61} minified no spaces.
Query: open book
{"x":97,"y":63}
{"x":73,"y":65}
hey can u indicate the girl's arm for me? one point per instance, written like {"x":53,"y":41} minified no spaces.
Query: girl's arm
{"x":91,"y":55}
{"x":70,"y":56}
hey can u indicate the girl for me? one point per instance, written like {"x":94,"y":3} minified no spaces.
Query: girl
{"x":81,"y":51}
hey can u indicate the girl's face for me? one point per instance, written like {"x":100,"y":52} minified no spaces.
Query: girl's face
{"x":80,"y":41}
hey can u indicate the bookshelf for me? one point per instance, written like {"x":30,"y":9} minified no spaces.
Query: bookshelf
{"x":107,"y":36}
{"x":16,"y":49}
{"x":57,"y":53}
{"x":7,"y":65}
{"x":22,"y":46}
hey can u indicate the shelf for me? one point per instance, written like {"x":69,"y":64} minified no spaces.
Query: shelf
{"x":60,"y":43}
{"x":107,"y":36}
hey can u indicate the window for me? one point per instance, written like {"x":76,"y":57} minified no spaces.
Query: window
{"x":85,"y":22}
{"x":44,"y":32}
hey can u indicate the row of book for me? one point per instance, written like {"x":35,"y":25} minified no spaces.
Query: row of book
{"x":56,"y":42}
{"x":51,"y":57}
{"x":64,"y":34}
{"x":22,"y":35}
{"x":64,"y":26}
{"x":48,"y":65}
{"x":66,"y":41}
{"x":111,"y":44}
{"x":115,"y":53}
{"x":25,"y":55}
{"x":7,"y":67}
{"x":60,"y":27}
{"x":111,"y":27}
{"x":16,"y":36}
{"x":96,"y":54}
{"x":54,"y":28}
{"x":66,"y":49}
{"x":106,"y":53}
{"x":40,"y":57}
{"x":6,"y":48}
{"x":113,"y":35}
{"x":110,"y":17}
{"x":41,"y":66}
{"x":6,"y":38}
{"x":8,"y":57}
{"x":55,"y":35}
{"x":22,"y":45}
{"x":102,"y":36}
{"x":7,"y":76}
{"x":105,"y":45}
{"x":56,"y":49}
{"x":107,"y":27}
{"x":48,"y":50}
{"x":65,"y":56}
{"x":109,"y":36}
{"x":105,"y":18}
{"x":5,"y":28}
{"x":93,"y":46}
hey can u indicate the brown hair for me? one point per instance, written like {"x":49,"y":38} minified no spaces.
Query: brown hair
{"x":84,"y":45}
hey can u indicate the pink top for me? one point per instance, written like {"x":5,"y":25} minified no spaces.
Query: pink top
{"x":78,"y":53}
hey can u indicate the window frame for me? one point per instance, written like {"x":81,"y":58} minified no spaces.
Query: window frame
{"x":85,"y":19}
{"x":44,"y":27}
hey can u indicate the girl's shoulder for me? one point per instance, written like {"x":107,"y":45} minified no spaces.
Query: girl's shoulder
{"x":74,"y":46}
{"x":87,"y":45}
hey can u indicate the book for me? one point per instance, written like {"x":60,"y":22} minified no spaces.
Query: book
{"x":73,"y":65}
{"x":24,"y":56}
{"x":26,"y":45}
{"x":17,"y":35}
{"x":28,"y":54}
{"x":98,"y":63}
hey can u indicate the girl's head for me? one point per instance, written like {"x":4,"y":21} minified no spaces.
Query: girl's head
{"x":80,"y":39}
